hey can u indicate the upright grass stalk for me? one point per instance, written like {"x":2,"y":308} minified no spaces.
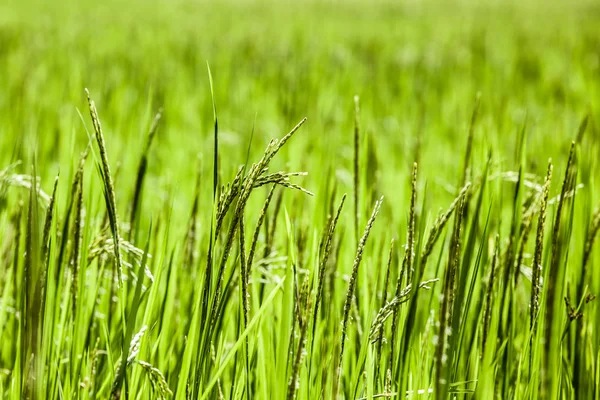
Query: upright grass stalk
{"x":191,"y":234}
{"x":383,"y":303}
{"x":407,"y":262}
{"x":521,"y":220}
{"x":31,"y":311}
{"x":130,"y":352}
{"x":326,"y":245}
{"x":214,"y":225}
{"x":526,"y":226}
{"x":78,"y":237}
{"x":245,"y":299}
{"x":593,"y":229}
{"x":356,"y":166}
{"x":46,"y":285}
{"x":303,"y":314}
{"x":215,"y":135}
{"x":556,"y":229}
{"x":15,"y":220}
{"x":350,"y":293}
{"x":109,"y":190}
{"x":536,"y":281}
{"x":48,"y":225}
{"x":141,"y":173}
{"x":323,"y":263}
{"x":554,"y":272}
{"x":411,"y":226}
{"x":259,"y":223}
{"x":442,"y":345}
{"x":45,"y":253}
{"x":64,"y":234}
{"x":508,"y":285}
{"x":489,"y":295}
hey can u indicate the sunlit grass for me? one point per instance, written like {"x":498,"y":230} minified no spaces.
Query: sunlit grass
{"x":193,"y":232}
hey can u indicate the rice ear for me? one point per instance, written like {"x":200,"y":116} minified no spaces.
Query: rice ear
{"x":351,"y":285}
{"x":109,"y":190}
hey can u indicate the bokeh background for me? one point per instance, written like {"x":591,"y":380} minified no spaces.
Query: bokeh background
{"x":417,"y":67}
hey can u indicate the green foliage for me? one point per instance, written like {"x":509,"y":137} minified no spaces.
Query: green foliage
{"x":168,"y":247}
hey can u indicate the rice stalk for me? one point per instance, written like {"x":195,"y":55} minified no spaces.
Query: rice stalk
{"x":556,"y":227}
{"x":160,"y":387}
{"x":191,"y":235}
{"x":407,"y":262}
{"x":261,"y":219}
{"x":390,"y":308}
{"x":215,"y":135}
{"x":323,"y":263}
{"x":63,"y":235}
{"x":411,"y":225}
{"x":134,"y":349}
{"x":356,"y":166}
{"x":536,"y":281}
{"x":246,"y":189}
{"x":45,"y":253}
{"x":283,"y":179}
{"x":271,"y":227}
{"x":77,"y":241}
{"x":386,"y":280}
{"x":228,"y":195}
{"x":32,"y":315}
{"x":590,"y":238}
{"x":553,"y":273}
{"x":109,"y":190}
{"x":333,"y":264}
{"x":102,"y":248}
{"x":141,"y":171}
{"x":439,"y":223}
{"x":213,"y":357}
{"x":94,"y":368}
{"x":245,"y":300}
{"x":351,"y":285}
{"x":387,"y":388}
{"x":129,"y":353}
{"x":305,"y":304}
{"x":15,"y":220}
{"x":135,"y":345}
{"x":526,"y":226}
{"x":487,"y":310}
{"x":447,"y":299}
{"x":48,"y":222}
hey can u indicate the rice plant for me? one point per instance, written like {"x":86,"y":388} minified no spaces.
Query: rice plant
{"x":182,"y":231}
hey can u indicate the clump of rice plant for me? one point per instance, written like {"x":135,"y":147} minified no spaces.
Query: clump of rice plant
{"x":174,"y":253}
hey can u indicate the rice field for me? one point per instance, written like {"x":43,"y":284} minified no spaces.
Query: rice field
{"x":308,"y":200}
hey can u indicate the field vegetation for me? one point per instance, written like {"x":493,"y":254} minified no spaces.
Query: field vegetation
{"x":277,"y":200}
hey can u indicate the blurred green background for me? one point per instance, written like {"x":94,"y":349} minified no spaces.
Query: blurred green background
{"x":417,"y":67}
